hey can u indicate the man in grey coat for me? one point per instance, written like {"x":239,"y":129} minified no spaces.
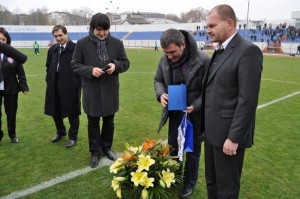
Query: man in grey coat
{"x":182,"y":64}
{"x":99,"y":58}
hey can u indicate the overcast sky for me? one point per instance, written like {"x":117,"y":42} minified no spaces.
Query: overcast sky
{"x":258,"y":9}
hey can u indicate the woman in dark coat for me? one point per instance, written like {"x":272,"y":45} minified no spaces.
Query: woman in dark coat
{"x":12,"y":81}
{"x":99,"y":58}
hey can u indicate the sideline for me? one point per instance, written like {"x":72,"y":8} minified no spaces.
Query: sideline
{"x":275,"y":80}
{"x":277,"y":100}
{"x":103,"y":162}
{"x":17,"y":194}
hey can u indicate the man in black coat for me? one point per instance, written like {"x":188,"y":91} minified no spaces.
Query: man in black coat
{"x":63,"y":86}
{"x":99,"y":58}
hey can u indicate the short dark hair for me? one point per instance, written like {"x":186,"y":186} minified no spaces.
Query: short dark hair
{"x":225,"y":12}
{"x":171,"y":36}
{"x":5,"y":33}
{"x":59,"y":27}
{"x":100,"y":20}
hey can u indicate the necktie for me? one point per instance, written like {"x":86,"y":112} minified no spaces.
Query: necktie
{"x":60,"y":49}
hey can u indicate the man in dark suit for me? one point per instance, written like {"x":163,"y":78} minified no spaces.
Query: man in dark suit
{"x":230,"y":96}
{"x":63,"y":86}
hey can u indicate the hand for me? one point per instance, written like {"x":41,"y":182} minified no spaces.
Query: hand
{"x":111,"y":69}
{"x":164,"y":99}
{"x":97,"y":72}
{"x":190,"y":109}
{"x":229,"y":148}
{"x":25,"y":92}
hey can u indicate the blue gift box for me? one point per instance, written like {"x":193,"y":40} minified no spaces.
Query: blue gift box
{"x":177,"y":97}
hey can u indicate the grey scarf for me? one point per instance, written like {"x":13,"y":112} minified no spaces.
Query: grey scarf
{"x":101,"y":48}
{"x":178,"y":76}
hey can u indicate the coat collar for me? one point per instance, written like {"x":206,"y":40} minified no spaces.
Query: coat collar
{"x":226,"y":53}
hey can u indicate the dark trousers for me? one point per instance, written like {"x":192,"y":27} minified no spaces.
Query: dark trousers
{"x":222,"y":172}
{"x":100,"y":141}
{"x":10,"y":106}
{"x":58,"y":119}
{"x":61,"y":128}
{"x":192,"y":159}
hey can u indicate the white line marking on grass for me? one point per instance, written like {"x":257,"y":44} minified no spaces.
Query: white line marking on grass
{"x":277,"y":100}
{"x":103,"y":162}
{"x":54,"y":181}
{"x":275,"y":80}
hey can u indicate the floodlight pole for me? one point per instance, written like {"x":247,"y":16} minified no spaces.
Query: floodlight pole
{"x":112,"y":18}
{"x":247,"y":17}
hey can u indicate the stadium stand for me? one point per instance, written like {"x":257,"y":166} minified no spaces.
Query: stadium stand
{"x":41,"y":36}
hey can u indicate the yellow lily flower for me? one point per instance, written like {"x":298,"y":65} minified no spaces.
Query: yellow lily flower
{"x":147,"y":182}
{"x":116,"y":166}
{"x":168,"y":177}
{"x":119,"y":193}
{"x":144,"y":162}
{"x":115,"y":184}
{"x":134,"y":149}
{"x":145,"y":194}
{"x":138,"y":177}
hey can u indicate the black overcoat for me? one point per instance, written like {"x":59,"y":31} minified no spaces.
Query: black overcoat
{"x":100,"y":94}
{"x":68,"y":83}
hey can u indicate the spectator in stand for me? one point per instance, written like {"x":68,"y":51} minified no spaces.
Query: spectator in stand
{"x":12,"y":81}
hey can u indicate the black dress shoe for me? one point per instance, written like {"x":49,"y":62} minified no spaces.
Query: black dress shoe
{"x":187,"y":192}
{"x":94,"y":161}
{"x":14,"y":140}
{"x":111,"y":155}
{"x":57,"y":138}
{"x":70,"y":143}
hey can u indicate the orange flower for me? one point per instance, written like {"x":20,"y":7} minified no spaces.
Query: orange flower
{"x":128,"y":155}
{"x":166,"y":150}
{"x":148,"y":144}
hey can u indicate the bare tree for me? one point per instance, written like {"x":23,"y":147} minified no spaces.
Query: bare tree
{"x":5,"y":15}
{"x":194,"y":15}
{"x":38,"y":17}
{"x":174,"y":17}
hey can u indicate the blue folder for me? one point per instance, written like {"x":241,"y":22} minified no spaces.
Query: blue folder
{"x":177,"y":97}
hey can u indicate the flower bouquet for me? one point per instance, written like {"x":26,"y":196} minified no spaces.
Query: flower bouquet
{"x":148,"y":171}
